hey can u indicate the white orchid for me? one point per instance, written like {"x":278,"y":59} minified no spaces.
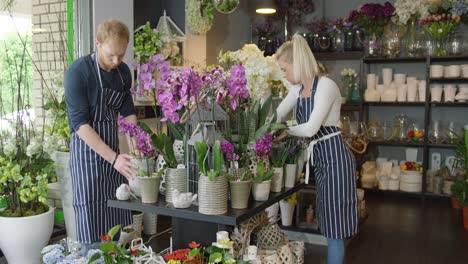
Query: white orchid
{"x":405,"y":9}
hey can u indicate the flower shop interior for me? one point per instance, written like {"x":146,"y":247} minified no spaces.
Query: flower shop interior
{"x":215,"y":181}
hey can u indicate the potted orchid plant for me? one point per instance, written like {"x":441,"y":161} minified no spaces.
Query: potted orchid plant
{"x":240,"y":181}
{"x":279,"y":155}
{"x":263,"y":174}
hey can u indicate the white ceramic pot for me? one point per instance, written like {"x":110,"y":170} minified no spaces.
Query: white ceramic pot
{"x":393,"y":185}
{"x":402,"y":92}
{"x":261,"y":191}
{"x":277,"y":179}
{"x":371,"y":95}
{"x":422,"y":91}
{"x":437,"y":71}
{"x":387,"y":74}
{"x":449,"y":92}
{"x":463,"y":88}
{"x":149,"y":187}
{"x":371,"y":81}
{"x":179,"y":151}
{"x":389,"y":95}
{"x":135,"y":186}
{"x":213,"y":195}
{"x":399,"y":78}
{"x":176,"y":179}
{"x":287,"y":211}
{"x":290,"y":175}
{"x":436,"y":92}
{"x":452,"y":71}
{"x":381,"y":88}
{"x":62,"y":170}
{"x":22,"y":238}
{"x":272,"y":212}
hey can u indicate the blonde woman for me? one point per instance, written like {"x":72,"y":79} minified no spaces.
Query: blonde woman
{"x":97,"y":90}
{"x":317,"y":101}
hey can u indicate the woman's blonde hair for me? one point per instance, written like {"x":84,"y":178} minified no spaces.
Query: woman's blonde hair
{"x":112,"y":29}
{"x":298,"y":53}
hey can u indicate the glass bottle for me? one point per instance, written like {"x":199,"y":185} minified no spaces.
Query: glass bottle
{"x":336,"y":40}
{"x":310,"y":215}
{"x":455,"y":44}
{"x":348,"y":40}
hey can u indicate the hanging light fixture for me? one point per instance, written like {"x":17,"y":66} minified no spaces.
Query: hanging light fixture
{"x":265,"y":7}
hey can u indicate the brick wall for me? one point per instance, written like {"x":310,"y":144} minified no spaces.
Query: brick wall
{"x":49,"y":46}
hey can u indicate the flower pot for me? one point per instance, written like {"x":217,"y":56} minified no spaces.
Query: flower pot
{"x":62,"y":170}
{"x":436,"y":92}
{"x":412,"y":90}
{"x":290,"y":175}
{"x":150,"y":223}
{"x":240,"y":193}
{"x":176,"y":179}
{"x":23,"y":238}
{"x":465,"y":217}
{"x":149,"y":189}
{"x":138,"y":224}
{"x":449,"y":92}
{"x":261,"y":191}
{"x":387,"y":74}
{"x":422,"y":91}
{"x":287,"y":211}
{"x":456,"y":203}
{"x":212,"y":195}
{"x":436,"y":71}
{"x":452,"y":71}
{"x":272,"y":212}
{"x":402,"y":92}
{"x":277,"y":179}
{"x":400,"y":78}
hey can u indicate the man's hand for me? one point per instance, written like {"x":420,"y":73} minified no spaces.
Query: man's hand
{"x":283,"y":135}
{"x":125,"y":166}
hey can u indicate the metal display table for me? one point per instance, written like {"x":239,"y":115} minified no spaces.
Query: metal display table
{"x":189,"y":225}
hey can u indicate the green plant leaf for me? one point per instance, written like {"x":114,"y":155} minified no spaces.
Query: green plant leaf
{"x":200,"y":149}
{"x":217,"y":157}
{"x":145,"y":127}
{"x":107,"y":246}
{"x":175,"y":130}
{"x":169,"y":151}
{"x":113,"y":231}
{"x":142,"y":172}
{"x":216,"y":257}
{"x":94,"y":257}
{"x":264,"y":111}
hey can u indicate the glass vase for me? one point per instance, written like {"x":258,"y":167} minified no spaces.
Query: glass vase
{"x":391,"y":46}
{"x":336,"y":40}
{"x":411,"y":40}
{"x":348,"y":40}
{"x":439,"y":48}
{"x":372,"y":46}
{"x":358,"y":40}
{"x":354,"y":94}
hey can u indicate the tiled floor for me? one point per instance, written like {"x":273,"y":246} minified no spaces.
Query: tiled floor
{"x":399,"y":230}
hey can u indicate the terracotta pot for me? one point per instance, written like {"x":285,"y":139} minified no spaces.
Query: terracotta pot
{"x":456,"y":203}
{"x":465,"y":217}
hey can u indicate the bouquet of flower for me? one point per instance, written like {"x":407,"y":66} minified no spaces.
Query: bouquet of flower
{"x":405,"y":9}
{"x":259,"y":70}
{"x":439,"y":27}
{"x":372,"y":17}
{"x":460,"y":8}
{"x":349,"y":78}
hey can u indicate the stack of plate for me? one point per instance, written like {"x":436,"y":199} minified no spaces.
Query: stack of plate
{"x":411,"y":181}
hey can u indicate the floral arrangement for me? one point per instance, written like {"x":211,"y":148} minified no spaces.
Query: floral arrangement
{"x":259,"y":70}
{"x":405,"y":9}
{"x":460,"y":8}
{"x":148,"y":42}
{"x":296,"y":10}
{"x":349,"y":78}
{"x":177,"y":256}
{"x":196,"y":254}
{"x":200,"y":15}
{"x":439,"y":27}
{"x":262,"y":149}
{"x":372,"y":17}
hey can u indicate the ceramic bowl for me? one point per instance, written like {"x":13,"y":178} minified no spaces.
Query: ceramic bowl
{"x":437,"y":71}
{"x":452,"y":71}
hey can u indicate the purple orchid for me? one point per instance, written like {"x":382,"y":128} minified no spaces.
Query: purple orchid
{"x":228,"y":150}
{"x":263,"y":146}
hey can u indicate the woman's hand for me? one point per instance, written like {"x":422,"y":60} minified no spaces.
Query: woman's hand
{"x":125,"y":166}
{"x":283,"y":135}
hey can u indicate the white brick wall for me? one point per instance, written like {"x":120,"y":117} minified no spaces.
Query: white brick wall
{"x":47,"y":14}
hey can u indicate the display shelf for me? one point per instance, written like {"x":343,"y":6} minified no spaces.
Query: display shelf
{"x":314,"y":227}
{"x":435,"y":195}
{"x":330,"y":56}
{"x":372,"y":60}
{"x":232,"y":218}
{"x":351,"y":107}
{"x":442,"y":146}
{"x":449,"y":104}
{"x":449,"y":58}
{"x":397,"y":143}
{"x":449,"y":80}
{"x":394,"y":103}
{"x":395,"y":193}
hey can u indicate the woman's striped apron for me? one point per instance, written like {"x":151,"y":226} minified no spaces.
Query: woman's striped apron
{"x":334,"y":168}
{"x":93,"y":178}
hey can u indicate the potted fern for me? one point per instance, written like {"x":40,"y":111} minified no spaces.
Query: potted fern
{"x":212,"y":185}
{"x":240,"y":182}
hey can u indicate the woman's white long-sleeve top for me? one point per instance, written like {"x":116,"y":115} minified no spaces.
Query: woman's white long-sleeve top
{"x":326,"y":109}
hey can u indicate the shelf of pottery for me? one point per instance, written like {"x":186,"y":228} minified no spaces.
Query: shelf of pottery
{"x":444,"y":86}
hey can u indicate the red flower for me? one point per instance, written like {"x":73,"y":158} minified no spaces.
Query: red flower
{"x":194,"y":244}
{"x":105,"y":238}
{"x":134,"y":252}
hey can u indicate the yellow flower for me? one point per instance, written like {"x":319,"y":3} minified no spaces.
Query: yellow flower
{"x":292,"y":199}
{"x":174,"y":262}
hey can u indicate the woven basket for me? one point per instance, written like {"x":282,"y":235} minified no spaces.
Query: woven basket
{"x":212,"y":195}
{"x":270,"y":237}
{"x":271,"y":259}
{"x":285,"y":255}
{"x":176,"y":179}
{"x":297,"y":248}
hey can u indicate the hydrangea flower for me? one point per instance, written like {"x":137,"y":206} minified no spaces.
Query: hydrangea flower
{"x":53,"y":256}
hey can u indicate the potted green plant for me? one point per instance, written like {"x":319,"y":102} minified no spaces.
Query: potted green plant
{"x":291,"y":166}
{"x":279,"y":155}
{"x":212,"y":185}
{"x":262,"y":180}
{"x":287,"y":206}
{"x":240,"y":181}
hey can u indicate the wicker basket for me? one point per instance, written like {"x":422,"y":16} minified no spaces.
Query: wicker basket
{"x":285,"y":255}
{"x":297,"y":248}
{"x":270,"y":237}
{"x":212,"y":195}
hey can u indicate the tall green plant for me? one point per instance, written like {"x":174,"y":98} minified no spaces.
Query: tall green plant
{"x":163,"y":144}
{"x":203,"y":159}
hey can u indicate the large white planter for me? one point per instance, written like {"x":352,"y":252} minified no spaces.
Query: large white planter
{"x":261,"y":191}
{"x":277,"y":179}
{"x":287,"y":211}
{"x":149,"y":189}
{"x":22,"y":238}
{"x":290,"y":175}
{"x":62,"y":162}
